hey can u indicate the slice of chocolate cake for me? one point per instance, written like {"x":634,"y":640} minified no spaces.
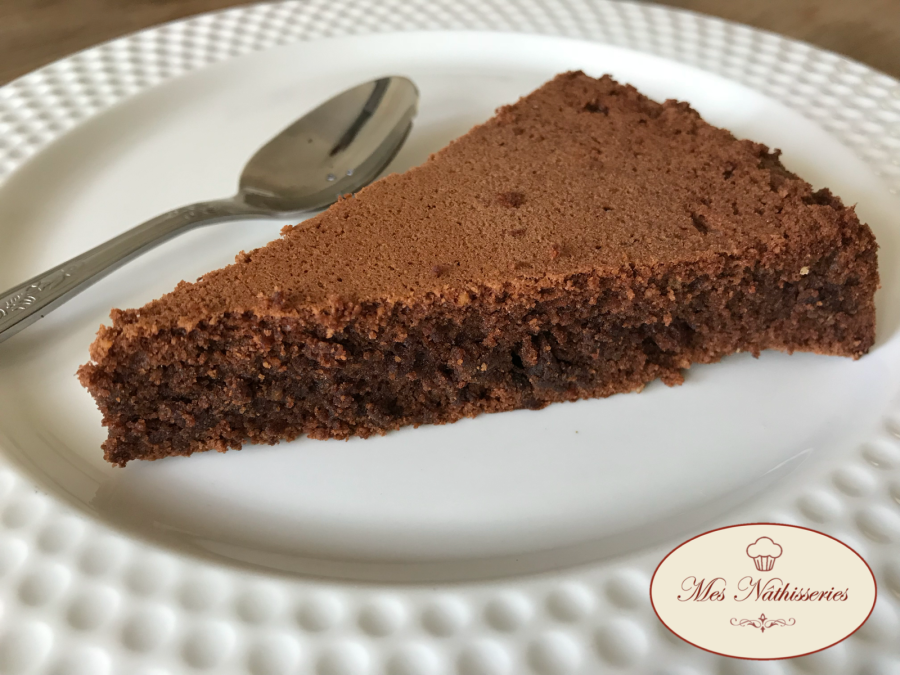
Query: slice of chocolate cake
{"x":581,"y":243}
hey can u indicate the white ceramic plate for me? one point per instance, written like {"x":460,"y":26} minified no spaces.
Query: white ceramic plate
{"x":509,"y":543}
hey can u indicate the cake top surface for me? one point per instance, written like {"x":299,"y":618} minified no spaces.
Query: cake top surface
{"x":582,"y":174}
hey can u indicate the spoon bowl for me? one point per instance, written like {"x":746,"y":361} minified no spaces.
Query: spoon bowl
{"x":336,"y":149}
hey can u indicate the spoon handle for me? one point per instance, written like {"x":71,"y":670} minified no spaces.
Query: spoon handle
{"x":29,"y":301}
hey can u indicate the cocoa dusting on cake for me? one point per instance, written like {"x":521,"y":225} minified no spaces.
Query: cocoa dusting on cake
{"x":581,"y":243}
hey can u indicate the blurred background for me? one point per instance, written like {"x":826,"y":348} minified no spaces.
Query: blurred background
{"x":36,"y":32}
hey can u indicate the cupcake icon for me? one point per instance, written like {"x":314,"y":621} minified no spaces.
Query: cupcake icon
{"x":764,"y":551}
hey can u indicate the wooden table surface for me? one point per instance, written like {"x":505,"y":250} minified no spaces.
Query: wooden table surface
{"x":36,"y":32}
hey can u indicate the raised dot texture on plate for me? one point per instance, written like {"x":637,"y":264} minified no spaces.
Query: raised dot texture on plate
{"x":881,"y":665}
{"x":894,"y":491}
{"x":570,"y":602}
{"x":149,"y":574}
{"x":258,"y":605}
{"x":320,"y":612}
{"x":670,"y":637}
{"x":60,"y":535}
{"x":346,"y":658}
{"x":412,"y":660}
{"x":445,"y":616}
{"x":91,"y":607}
{"x":381,"y":617}
{"x":274,"y":655}
{"x":628,"y":589}
{"x":883,"y":626}
{"x":202,"y":593}
{"x":101,"y":556}
{"x":12,"y":553}
{"x":882,"y":454}
{"x":879,"y":523}
{"x":621,"y":642}
{"x":892,"y":576}
{"x":24,"y":647}
{"x":508,"y":612}
{"x":22,"y":512}
{"x":820,"y":506}
{"x":854,"y":480}
{"x":207,"y":646}
{"x":554,"y":653}
{"x":83,"y":661}
{"x":44,"y":584}
{"x":484,"y":657}
{"x":147,"y":629}
{"x":831,"y":661}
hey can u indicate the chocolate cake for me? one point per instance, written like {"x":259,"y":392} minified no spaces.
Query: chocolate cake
{"x":581,"y":243}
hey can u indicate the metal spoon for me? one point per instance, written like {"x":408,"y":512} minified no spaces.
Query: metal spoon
{"x":336,"y":149}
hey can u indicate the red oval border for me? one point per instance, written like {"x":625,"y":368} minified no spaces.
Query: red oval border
{"x":773,"y":658}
